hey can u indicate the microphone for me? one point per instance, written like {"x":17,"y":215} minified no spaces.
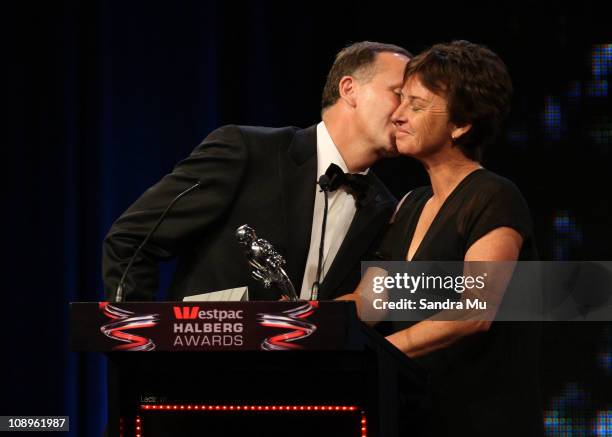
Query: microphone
{"x":323,"y":182}
{"x":119,"y":291}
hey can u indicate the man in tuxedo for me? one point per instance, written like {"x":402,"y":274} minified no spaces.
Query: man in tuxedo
{"x":267,"y":178}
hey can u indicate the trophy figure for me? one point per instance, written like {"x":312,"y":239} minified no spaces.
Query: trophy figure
{"x":266,"y":262}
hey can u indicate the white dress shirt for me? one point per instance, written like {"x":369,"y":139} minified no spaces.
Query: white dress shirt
{"x":341,"y":210}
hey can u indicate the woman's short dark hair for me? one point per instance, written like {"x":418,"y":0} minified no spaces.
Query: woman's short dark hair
{"x":357,"y":58}
{"x":476,"y":84}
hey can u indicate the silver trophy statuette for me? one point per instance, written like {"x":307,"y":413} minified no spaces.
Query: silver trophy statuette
{"x":266,"y":262}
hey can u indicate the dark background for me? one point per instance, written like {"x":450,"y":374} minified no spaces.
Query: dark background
{"x":102,"y":98}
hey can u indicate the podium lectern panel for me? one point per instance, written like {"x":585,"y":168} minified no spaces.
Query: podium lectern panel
{"x":249,"y":369}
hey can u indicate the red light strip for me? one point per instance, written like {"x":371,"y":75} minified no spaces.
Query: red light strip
{"x":201,"y":407}
{"x":364,"y":425}
{"x":198,"y":407}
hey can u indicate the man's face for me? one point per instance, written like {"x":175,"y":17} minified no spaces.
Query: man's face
{"x":422,"y":121}
{"x":377,"y":99}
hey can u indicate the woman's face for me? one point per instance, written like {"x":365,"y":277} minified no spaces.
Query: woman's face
{"x":421,"y":121}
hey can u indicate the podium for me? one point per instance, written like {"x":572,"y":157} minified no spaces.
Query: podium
{"x":249,"y":369}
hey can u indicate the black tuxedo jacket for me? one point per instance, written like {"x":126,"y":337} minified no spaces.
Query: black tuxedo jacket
{"x":263,"y":177}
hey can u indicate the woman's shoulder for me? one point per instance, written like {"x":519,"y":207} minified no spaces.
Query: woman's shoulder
{"x":488,"y":183}
{"x":495,"y":201}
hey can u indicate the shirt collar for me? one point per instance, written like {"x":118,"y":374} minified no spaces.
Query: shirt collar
{"x":328,"y":153}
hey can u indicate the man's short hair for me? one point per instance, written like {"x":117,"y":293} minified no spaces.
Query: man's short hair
{"x":355,"y":60}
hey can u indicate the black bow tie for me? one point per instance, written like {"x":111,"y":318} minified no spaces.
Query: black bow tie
{"x":356,"y":185}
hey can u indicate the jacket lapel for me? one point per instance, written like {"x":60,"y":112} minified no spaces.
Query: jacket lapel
{"x":365,"y":227}
{"x":298,"y":174}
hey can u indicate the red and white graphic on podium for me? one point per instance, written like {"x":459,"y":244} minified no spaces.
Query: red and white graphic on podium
{"x":124,"y":320}
{"x":290,"y":319}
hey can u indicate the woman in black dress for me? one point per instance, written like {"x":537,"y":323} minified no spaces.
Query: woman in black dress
{"x":484,"y":375}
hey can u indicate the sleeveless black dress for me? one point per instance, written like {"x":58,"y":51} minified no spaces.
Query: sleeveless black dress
{"x":485,"y":384}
